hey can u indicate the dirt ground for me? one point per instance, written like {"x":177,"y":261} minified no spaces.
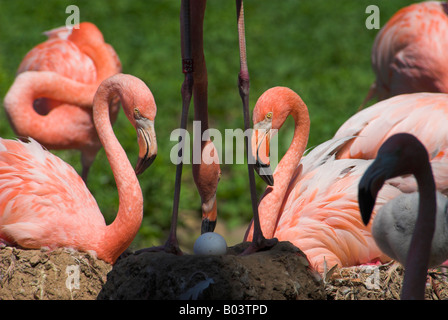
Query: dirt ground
{"x":281,"y":273}
{"x":380,"y":282}
{"x":50,"y":275}
{"x":278,"y":274}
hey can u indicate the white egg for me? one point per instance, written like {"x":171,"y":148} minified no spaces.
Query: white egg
{"x":210,"y":243}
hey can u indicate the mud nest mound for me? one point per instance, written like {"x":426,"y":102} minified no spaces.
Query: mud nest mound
{"x":277,"y":274}
{"x":281,"y":273}
{"x":50,"y":275}
{"x":380,"y":282}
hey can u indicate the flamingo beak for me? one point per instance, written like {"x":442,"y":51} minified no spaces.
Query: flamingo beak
{"x":260,"y":149}
{"x":209,"y":215}
{"x":368,"y":188}
{"x":366,"y":203}
{"x":147,"y":143}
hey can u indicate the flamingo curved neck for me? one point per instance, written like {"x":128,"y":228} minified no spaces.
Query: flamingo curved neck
{"x":92,"y":44}
{"x":419,"y":250}
{"x":270,"y":207}
{"x":31,"y":85}
{"x":120,"y":233}
{"x":102,"y":59}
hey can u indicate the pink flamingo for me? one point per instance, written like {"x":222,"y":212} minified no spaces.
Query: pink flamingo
{"x":172,"y":245}
{"x":403,"y":154}
{"x":409,"y":52}
{"x":45,"y":203}
{"x":259,"y":241}
{"x":206,"y":174}
{"x":313,"y":202}
{"x":80,"y":55}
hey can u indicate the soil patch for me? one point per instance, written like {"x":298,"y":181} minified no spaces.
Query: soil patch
{"x":281,"y":273}
{"x":50,"y":275}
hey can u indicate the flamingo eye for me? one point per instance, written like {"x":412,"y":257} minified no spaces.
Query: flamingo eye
{"x":137,"y":114}
{"x":269,"y":115}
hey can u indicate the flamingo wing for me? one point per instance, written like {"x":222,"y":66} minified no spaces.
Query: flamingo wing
{"x":420,"y":114}
{"x":320,"y":213}
{"x":61,"y":56}
{"x":42,"y":199}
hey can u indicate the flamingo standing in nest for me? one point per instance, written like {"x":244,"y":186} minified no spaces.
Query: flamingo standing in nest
{"x":78,"y":54}
{"x":45,"y":203}
{"x":207,"y":173}
{"x":409,"y":52}
{"x":313,"y":202}
{"x":412,"y":227}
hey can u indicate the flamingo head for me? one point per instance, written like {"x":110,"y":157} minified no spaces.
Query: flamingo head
{"x":270,"y":113}
{"x":140,"y":108}
{"x":147,"y":142}
{"x":261,"y":137}
{"x":206,"y":176}
{"x":399,"y":155}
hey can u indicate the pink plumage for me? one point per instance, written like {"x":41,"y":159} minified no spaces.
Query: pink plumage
{"x":45,"y":203}
{"x":37,"y":188}
{"x":423,"y":115}
{"x":314,"y":200}
{"x":409,"y":52}
{"x":79,"y":55}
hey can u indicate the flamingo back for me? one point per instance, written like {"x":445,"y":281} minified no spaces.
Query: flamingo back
{"x":321,"y":216}
{"x":60,"y":56}
{"x":424,"y":115}
{"x":320,"y":212}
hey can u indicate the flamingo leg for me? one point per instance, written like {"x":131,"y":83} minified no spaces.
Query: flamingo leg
{"x":172,"y":245}
{"x":259,"y":242}
{"x":87,"y":159}
{"x":207,"y":172}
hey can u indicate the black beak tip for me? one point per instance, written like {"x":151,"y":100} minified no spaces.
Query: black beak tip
{"x":143,"y":164}
{"x":269,"y":179}
{"x":265,"y":173}
{"x":207,"y":226}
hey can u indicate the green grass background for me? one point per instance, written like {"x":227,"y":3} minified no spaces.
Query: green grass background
{"x":319,"y":48}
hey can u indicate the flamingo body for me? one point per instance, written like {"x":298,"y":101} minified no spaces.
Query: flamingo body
{"x":320,"y":213}
{"x":409,"y":52}
{"x":36,"y":187}
{"x":62,"y":56}
{"x":400,"y":155}
{"x":314,"y":202}
{"x":45,"y":203}
{"x":394,"y":225}
{"x":423,"y":115}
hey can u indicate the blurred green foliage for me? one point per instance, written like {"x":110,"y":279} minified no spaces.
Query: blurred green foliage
{"x":319,"y":48}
